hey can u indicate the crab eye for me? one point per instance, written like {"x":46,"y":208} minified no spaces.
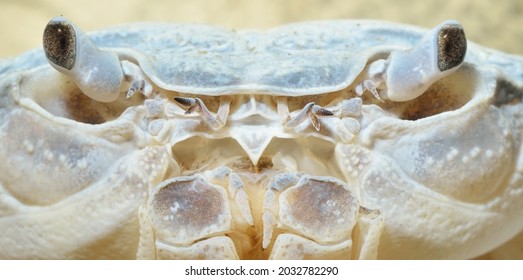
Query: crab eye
{"x":96,"y":72}
{"x":452,"y":46}
{"x":439,"y":53}
{"x":60,"y":43}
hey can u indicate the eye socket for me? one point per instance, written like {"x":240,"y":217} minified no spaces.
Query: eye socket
{"x":59,"y":43}
{"x":452,"y":47}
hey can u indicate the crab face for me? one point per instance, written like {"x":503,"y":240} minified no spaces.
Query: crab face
{"x":189,"y":141}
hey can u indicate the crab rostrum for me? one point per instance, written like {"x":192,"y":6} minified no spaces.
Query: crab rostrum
{"x":334,"y":139}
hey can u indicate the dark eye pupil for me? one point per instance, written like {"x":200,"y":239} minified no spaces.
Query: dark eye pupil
{"x":60,"y":44}
{"x":64,"y":44}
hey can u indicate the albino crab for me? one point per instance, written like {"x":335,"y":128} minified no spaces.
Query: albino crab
{"x":336,"y":139}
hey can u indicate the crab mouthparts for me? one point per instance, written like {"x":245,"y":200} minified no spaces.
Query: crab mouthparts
{"x":254,"y":121}
{"x":253,"y":139}
{"x":253,"y":126}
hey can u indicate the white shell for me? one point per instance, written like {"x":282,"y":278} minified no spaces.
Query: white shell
{"x":296,"y":59}
{"x":275,"y":154}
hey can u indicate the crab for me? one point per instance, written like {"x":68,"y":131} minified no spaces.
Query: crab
{"x":316,"y":140}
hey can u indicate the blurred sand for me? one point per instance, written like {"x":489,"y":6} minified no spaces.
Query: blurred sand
{"x":496,"y":24}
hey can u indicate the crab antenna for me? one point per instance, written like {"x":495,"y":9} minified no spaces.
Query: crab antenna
{"x":192,"y":105}
{"x":311,"y":111}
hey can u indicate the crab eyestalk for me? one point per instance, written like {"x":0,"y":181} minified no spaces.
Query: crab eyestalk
{"x":407,"y":74}
{"x":97,"y":73}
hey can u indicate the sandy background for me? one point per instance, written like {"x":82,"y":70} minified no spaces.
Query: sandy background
{"x":496,"y":24}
